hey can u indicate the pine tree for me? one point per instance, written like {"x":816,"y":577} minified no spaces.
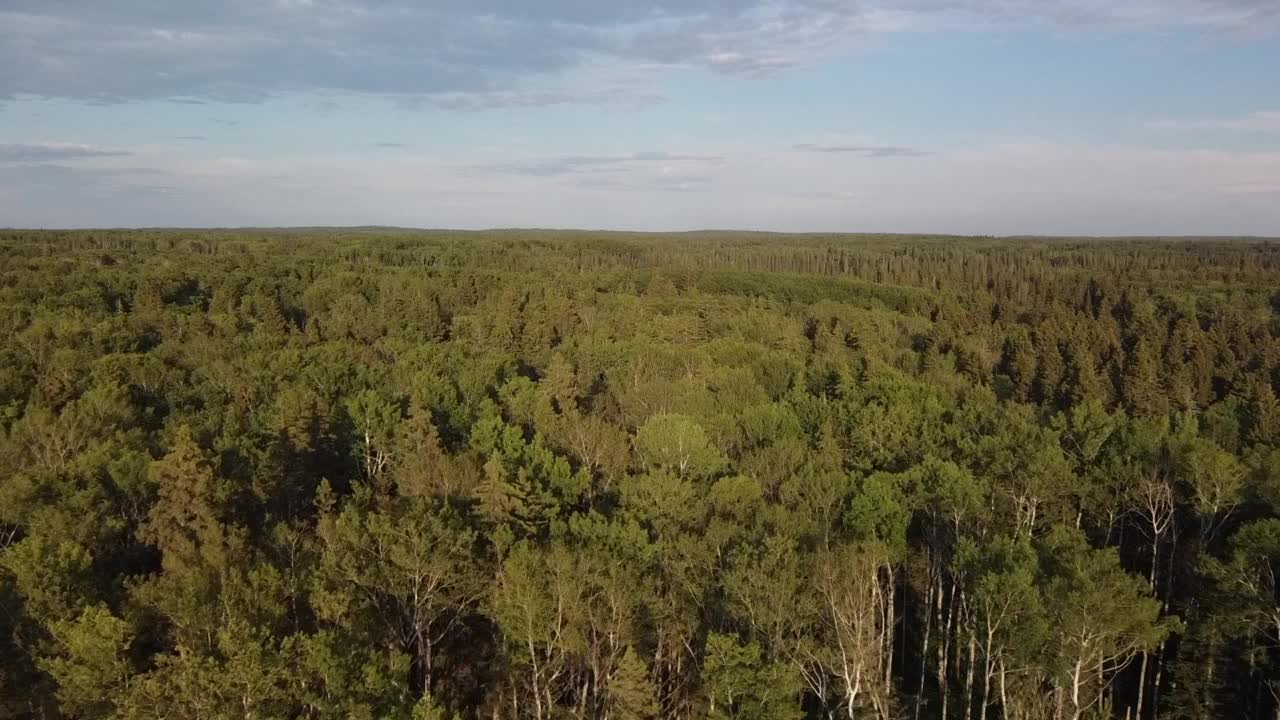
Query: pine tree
{"x":1263,"y":413}
{"x":742,"y":685}
{"x":186,"y":522}
{"x":1081,"y":381}
{"x":421,"y":466}
{"x":632,"y":694}
{"x":91,"y":662}
{"x":1140,"y":386}
{"x":500,"y":501}
{"x":1018,"y":362}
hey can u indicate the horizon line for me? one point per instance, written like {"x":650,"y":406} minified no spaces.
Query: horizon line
{"x":622,"y":231}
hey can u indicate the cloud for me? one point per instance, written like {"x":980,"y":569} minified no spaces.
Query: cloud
{"x":1012,"y":187}
{"x":390,"y":145}
{"x":480,"y":54}
{"x":1237,"y":16}
{"x":42,"y":152}
{"x":661,"y":183}
{"x":1253,"y":188}
{"x":500,"y":99}
{"x":61,"y":195}
{"x":872,"y":151}
{"x":661,"y":162}
{"x":736,"y":62}
{"x":1261,"y":121}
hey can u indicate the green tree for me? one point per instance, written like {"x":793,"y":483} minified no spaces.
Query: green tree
{"x":91,"y":662}
{"x":741,"y":685}
{"x":406,"y":575}
{"x":1100,"y":615}
{"x":632,"y":694}
{"x":1007,"y":618}
{"x":186,"y":523}
{"x":53,"y":579}
{"x":537,"y":598}
{"x":1215,"y":479}
{"x":679,"y":444}
{"x":1250,"y":600}
{"x":374,"y":421}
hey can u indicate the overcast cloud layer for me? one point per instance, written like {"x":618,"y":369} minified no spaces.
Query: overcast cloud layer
{"x":941,"y":115}
{"x":246,"y":50}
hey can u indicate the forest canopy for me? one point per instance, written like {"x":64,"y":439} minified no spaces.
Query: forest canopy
{"x":606,"y":476}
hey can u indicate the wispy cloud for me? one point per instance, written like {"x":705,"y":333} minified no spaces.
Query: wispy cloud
{"x":1261,"y":187}
{"x":1234,"y":16}
{"x":642,"y":172}
{"x":502,"y":99}
{"x":51,"y":151}
{"x":1014,"y":187}
{"x":390,"y":145}
{"x":1261,"y":121}
{"x":662,"y":182}
{"x":749,"y":64}
{"x":872,"y":151}
{"x":488,"y":53}
{"x":662,"y":162}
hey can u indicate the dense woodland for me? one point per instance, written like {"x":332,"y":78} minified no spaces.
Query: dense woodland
{"x":545,"y":475}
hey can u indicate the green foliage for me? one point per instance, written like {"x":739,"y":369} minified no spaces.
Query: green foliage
{"x":1101,"y":616}
{"x":401,"y":575}
{"x":678,"y":444}
{"x":741,"y":685}
{"x":185,"y":523}
{"x":632,"y":694}
{"x":91,"y":665}
{"x":543,"y":475}
{"x":52,"y":578}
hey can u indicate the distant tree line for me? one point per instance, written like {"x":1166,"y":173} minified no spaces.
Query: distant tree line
{"x":608,"y":476}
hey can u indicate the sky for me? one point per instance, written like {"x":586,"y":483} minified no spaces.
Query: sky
{"x":1055,"y":117}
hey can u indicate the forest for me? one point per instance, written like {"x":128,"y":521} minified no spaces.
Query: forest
{"x":552,"y":475}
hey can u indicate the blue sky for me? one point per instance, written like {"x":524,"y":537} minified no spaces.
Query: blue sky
{"x":965,"y":116}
